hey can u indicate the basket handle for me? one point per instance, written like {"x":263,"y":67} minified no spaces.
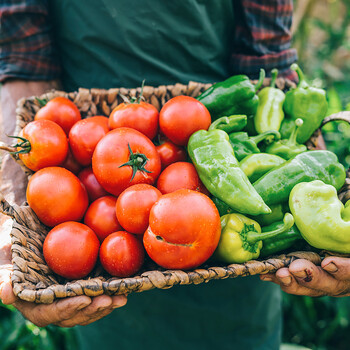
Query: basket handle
{"x":340,"y":116}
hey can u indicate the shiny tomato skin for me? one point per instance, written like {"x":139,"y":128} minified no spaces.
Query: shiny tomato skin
{"x":142,"y":117}
{"x":177,"y":176}
{"x":133,"y":207}
{"x":184,"y":230}
{"x":170,"y":153}
{"x":112,"y":152}
{"x":122,"y":254}
{"x":181,"y":116}
{"x":60,"y":110}
{"x":71,"y":164}
{"x":56,"y":195}
{"x":85,"y":135}
{"x":92,"y":186}
{"x":101,"y":217}
{"x":49,"y":144}
{"x":71,"y":250}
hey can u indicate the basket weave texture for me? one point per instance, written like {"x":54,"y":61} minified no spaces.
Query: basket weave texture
{"x":32,"y":279}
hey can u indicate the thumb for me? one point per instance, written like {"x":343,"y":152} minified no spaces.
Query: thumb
{"x":6,"y":293}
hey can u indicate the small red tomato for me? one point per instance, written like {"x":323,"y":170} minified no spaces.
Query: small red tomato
{"x":101,"y":217}
{"x":71,"y":250}
{"x":177,"y":176}
{"x":92,"y":186}
{"x":71,"y":164}
{"x":44,"y":144}
{"x":85,"y":135}
{"x":181,"y":116}
{"x":56,"y":195}
{"x":60,"y":110}
{"x":140,"y":116}
{"x":122,"y":254}
{"x":184,"y":230}
{"x":133,"y":207}
{"x":170,"y":153}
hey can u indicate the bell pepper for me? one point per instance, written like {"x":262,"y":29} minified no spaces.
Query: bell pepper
{"x":269,"y":114}
{"x":218,"y":169}
{"x":235,"y":95}
{"x":283,"y":242}
{"x":288,"y":148}
{"x":258,"y":164}
{"x":321,"y":217}
{"x":275,"y":186}
{"x":230,"y":124}
{"x":306,"y":102}
{"x":241,"y":238}
{"x":243,"y":145}
{"x":222,"y":207}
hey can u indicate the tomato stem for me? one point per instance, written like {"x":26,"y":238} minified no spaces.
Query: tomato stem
{"x":42,"y":101}
{"x":24,"y":144}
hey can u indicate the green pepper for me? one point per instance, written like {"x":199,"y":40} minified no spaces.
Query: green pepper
{"x":284,"y":241}
{"x":241,"y":238}
{"x":258,"y":164}
{"x":277,"y":214}
{"x":243,"y":145}
{"x":306,"y":102}
{"x":235,"y":95}
{"x":230,"y":124}
{"x":218,"y":169}
{"x":288,"y":148}
{"x":321,"y":217}
{"x":269,"y":114}
{"x":221,"y":206}
{"x":275,"y":186}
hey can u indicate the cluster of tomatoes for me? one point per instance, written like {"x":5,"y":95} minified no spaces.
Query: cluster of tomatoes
{"x":110,"y":191}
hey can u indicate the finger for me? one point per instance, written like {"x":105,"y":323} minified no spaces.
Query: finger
{"x":6,"y":293}
{"x":311,"y":276}
{"x":119,"y":301}
{"x":85,"y":320}
{"x":339,"y":268}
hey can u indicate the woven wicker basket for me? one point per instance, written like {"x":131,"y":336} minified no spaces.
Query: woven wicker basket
{"x":35,"y":282}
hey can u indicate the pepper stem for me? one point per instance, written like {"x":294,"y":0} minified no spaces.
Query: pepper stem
{"x":274,"y":74}
{"x":302,"y":82}
{"x":293,"y":136}
{"x":229,"y":124}
{"x":257,"y":139}
{"x":260,"y":81}
{"x":253,"y":237}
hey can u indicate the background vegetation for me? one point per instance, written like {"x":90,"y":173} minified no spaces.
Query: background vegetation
{"x":322,"y":36}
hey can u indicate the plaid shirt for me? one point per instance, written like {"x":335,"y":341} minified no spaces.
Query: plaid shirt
{"x":262,"y":39}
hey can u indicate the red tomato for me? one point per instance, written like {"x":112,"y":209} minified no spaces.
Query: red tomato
{"x":141,"y":116}
{"x":101,"y":217}
{"x":179,"y":175}
{"x":92,"y":186}
{"x":122,"y":254}
{"x":45,"y":142}
{"x":60,"y":110}
{"x":71,"y":164}
{"x":181,"y":116}
{"x":125,"y":157}
{"x":56,"y":195}
{"x":84,"y":136}
{"x":133,"y":207}
{"x":71,"y":250}
{"x":170,"y":153}
{"x":184,"y":230}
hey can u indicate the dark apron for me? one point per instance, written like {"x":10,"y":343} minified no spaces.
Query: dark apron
{"x":106,"y":43}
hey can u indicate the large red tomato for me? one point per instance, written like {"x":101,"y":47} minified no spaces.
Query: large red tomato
{"x":140,"y":116}
{"x":44,"y":144}
{"x":56,"y":195}
{"x":71,"y":250}
{"x":92,"y":186}
{"x":181,"y":116}
{"x":84,"y":136}
{"x":125,"y":157}
{"x":101,"y":217}
{"x":60,"y":110}
{"x":133,"y":207}
{"x":180,"y":175}
{"x":122,"y":254}
{"x":184,"y":230}
{"x":170,"y":153}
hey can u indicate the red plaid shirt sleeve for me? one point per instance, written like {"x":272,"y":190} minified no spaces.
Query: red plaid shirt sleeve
{"x":26,"y":48}
{"x":263,"y":37}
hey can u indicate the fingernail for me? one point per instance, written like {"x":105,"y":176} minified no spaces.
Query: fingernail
{"x":82,"y":306}
{"x":300,"y":274}
{"x":265,"y":278}
{"x":331,"y":267}
{"x":286,"y":281}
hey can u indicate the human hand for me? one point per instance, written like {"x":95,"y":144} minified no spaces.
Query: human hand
{"x":304,"y":278}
